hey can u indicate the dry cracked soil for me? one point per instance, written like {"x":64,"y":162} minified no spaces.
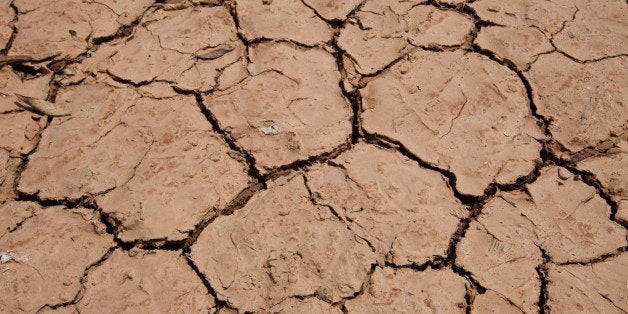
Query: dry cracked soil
{"x":313,"y":156}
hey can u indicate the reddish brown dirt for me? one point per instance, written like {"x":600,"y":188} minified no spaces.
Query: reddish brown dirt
{"x":314,"y":156}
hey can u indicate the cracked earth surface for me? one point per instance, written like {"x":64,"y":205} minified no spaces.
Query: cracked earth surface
{"x":314,"y":156}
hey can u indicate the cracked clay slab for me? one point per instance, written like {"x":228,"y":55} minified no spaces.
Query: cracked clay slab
{"x":595,"y":288}
{"x":499,"y":250}
{"x":281,"y":20}
{"x":50,"y":253}
{"x":493,"y":302}
{"x":622,"y":213}
{"x":13,"y":214}
{"x":19,"y":132}
{"x":585,"y":102}
{"x":379,"y":36}
{"x":280,"y":245}
{"x":333,"y":10}
{"x":188,"y":48}
{"x":571,"y":220}
{"x":7,"y":19}
{"x":291,"y":107}
{"x":153,"y":164}
{"x":407,"y":213}
{"x":523,"y":28}
{"x":12,"y":83}
{"x":9,"y":172}
{"x":547,"y":16}
{"x":611,"y":169}
{"x":141,"y":281}
{"x":69,"y":26}
{"x":519,"y":45}
{"x":310,"y":305}
{"x":478,"y":127}
{"x":406,"y":290}
{"x":19,"y":129}
{"x":599,"y":30}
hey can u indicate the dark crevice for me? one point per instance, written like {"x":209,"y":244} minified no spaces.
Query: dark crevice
{"x":113,"y":225}
{"x":568,"y":56}
{"x":9,"y":44}
{"x":461,"y":230}
{"x":382,"y":70}
{"x":363,"y":288}
{"x":584,"y":176}
{"x":122,"y":32}
{"x":469,"y":296}
{"x":231,"y":6}
{"x":435,"y":47}
{"x":590,"y":180}
{"x":231,"y":142}
{"x":26,"y":158}
{"x":389,"y":143}
{"x":332,"y":23}
{"x":435,"y":263}
{"x":313,"y":199}
{"x":464,"y":9}
{"x":238,"y":202}
{"x":544,"y":121}
{"x":219,"y":303}
{"x":354,"y":97}
{"x":261,"y":40}
{"x":599,"y":259}
{"x":83,"y":279}
{"x":306,"y":163}
{"x":473,"y":203}
{"x":541,"y":271}
{"x":128,"y":82}
{"x":29,"y":71}
{"x":110,"y":223}
{"x":469,"y":277}
{"x":20,"y":223}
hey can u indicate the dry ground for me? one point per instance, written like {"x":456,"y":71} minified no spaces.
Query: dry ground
{"x":311,"y":156}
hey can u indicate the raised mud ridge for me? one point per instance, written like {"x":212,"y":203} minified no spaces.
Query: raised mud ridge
{"x":320,"y":156}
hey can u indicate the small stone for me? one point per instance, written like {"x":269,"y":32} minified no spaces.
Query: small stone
{"x":5,"y":257}
{"x":272,"y":129}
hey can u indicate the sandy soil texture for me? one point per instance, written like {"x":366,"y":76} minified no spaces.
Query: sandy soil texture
{"x":313,"y":156}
